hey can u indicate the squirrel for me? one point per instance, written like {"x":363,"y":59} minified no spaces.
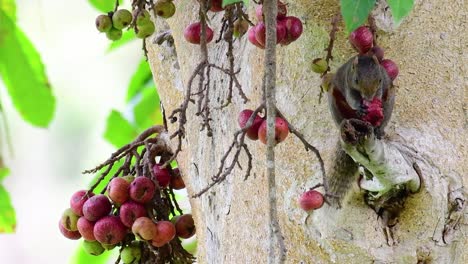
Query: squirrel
{"x":356,"y":83}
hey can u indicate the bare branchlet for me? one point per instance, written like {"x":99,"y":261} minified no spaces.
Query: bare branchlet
{"x":202,"y":74}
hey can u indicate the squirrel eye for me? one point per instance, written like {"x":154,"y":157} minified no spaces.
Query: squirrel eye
{"x":380,"y":81}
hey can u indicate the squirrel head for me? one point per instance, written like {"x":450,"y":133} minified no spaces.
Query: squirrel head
{"x":366,"y":77}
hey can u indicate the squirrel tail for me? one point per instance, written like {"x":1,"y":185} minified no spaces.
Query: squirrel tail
{"x":342,"y":173}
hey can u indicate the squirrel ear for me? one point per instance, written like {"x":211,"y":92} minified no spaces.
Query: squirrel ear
{"x":375,"y":59}
{"x":355,"y":62}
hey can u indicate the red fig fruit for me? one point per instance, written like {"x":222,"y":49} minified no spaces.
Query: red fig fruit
{"x":361,"y":39}
{"x":391,"y":68}
{"x":162,"y":175}
{"x":281,"y":130}
{"x":142,"y":189}
{"x":118,"y":190}
{"x":96,"y":207}
{"x":109,"y":230}
{"x":77,"y":200}
{"x":193,"y":33}
{"x":293,"y":27}
{"x":244,"y":116}
{"x":311,"y":200}
{"x":130,"y":211}
{"x":73,"y":235}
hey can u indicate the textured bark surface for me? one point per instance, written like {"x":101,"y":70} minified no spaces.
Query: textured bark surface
{"x":430,"y":116}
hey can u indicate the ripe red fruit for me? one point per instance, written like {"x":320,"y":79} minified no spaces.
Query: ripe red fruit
{"x":216,"y":6}
{"x":244,"y":116}
{"x":391,"y":68}
{"x":77,"y":200}
{"x":282,"y":11}
{"x":293,"y":27}
{"x":311,"y":200}
{"x":361,"y":39}
{"x":260,"y":33}
{"x":378,"y":52}
{"x":185,"y":226}
{"x":118,"y":190}
{"x":86,"y":229}
{"x":374,"y":111}
{"x":193,"y":33}
{"x":109,"y":230}
{"x":166,"y":231}
{"x":144,"y":228}
{"x":281,"y":130}
{"x":177,"y":183}
{"x":162,"y":175}
{"x":96,"y":207}
{"x":130,"y":211}
{"x":252,"y":38}
{"x":73,"y":235}
{"x":142,"y":189}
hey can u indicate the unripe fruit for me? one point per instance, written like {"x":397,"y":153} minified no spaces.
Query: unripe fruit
{"x":142,"y":17}
{"x":73,"y":235}
{"x":86,"y":229}
{"x":293,"y":26}
{"x":118,"y":190}
{"x":319,"y":65}
{"x":164,"y":8}
{"x":142,"y":189}
{"x":145,"y":30}
{"x":281,"y":130}
{"x":251,"y":36}
{"x":361,"y":39}
{"x":121,"y":18}
{"x":165,"y":232}
{"x":77,"y":200}
{"x":390,"y":67}
{"x":311,"y":200}
{"x":326,"y":81}
{"x":96,"y":207}
{"x":162,"y":175}
{"x":114,"y":34}
{"x":177,"y":183}
{"x":185,"y":226}
{"x":93,"y":248}
{"x":378,"y":52}
{"x":131,"y":254}
{"x":216,"y":6}
{"x":103,"y":23}
{"x":108,"y":247}
{"x":193,"y":33}
{"x":260,"y":33}
{"x":130,"y":211}
{"x":129,"y":178}
{"x":69,"y":220}
{"x":109,"y":230}
{"x":282,"y":11}
{"x":144,"y":228}
{"x":240,"y":27}
{"x":244,"y":116}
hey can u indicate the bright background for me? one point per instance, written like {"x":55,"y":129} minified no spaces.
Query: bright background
{"x":46,"y":163}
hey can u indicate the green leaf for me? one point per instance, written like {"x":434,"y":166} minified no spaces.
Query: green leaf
{"x":355,"y":12}
{"x":9,"y":7}
{"x":400,"y":8}
{"x":104,"y":5}
{"x":230,"y":2}
{"x":118,"y":130}
{"x":7,"y":212}
{"x":24,"y":75}
{"x":127,"y":37}
{"x":81,"y":257}
{"x":147,"y":112}
{"x":3,"y":173}
{"x":139,"y":79}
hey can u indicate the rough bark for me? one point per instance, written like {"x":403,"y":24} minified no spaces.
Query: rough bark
{"x":429,"y":117}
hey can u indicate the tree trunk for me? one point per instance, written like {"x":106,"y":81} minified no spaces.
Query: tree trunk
{"x":429,"y":117}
